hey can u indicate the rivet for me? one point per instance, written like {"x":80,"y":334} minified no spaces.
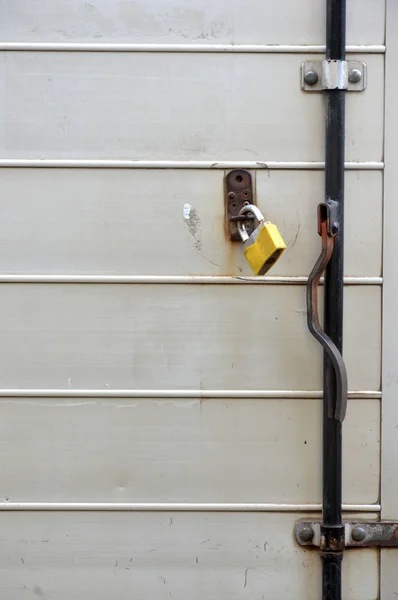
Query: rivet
{"x":358,"y":534}
{"x":306,"y":533}
{"x":355,"y":76}
{"x":311,"y":77}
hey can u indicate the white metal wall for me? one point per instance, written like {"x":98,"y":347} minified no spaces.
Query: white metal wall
{"x":180,"y":445}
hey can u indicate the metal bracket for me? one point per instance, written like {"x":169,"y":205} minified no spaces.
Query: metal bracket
{"x":238,"y":192}
{"x":358,"y":534}
{"x":321,"y":75}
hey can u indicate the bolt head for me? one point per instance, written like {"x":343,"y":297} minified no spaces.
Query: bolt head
{"x":231,"y":195}
{"x":311,"y":77}
{"x":355,"y":76}
{"x":358,"y":534}
{"x":306,"y":534}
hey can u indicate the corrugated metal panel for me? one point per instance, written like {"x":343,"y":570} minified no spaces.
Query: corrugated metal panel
{"x":186,"y":555}
{"x":158,"y":450}
{"x":157,"y":106}
{"x":175,"y":21}
{"x":202,"y":337}
{"x":131,"y":222}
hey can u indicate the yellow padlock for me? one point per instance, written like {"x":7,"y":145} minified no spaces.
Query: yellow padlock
{"x":264,"y":246}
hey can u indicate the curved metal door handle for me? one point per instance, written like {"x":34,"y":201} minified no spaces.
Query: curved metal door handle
{"x":327,"y":228}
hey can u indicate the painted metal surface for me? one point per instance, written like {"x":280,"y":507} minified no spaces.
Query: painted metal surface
{"x":53,"y":104}
{"x":174,"y":21}
{"x":165,"y":450}
{"x":181,"y":556}
{"x":144,"y":450}
{"x":125,"y":336}
{"x":389,"y":487}
{"x":84,"y":221}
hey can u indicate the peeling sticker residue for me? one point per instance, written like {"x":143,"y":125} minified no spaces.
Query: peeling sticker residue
{"x":192,"y":220}
{"x":187,"y":210}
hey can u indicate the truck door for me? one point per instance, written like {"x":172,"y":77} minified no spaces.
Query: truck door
{"x":160,"y":407}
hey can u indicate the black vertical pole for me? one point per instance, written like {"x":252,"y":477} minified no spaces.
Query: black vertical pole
{"x":332,"y":551}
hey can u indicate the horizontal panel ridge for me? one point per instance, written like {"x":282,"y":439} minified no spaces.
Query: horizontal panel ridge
{"x":176,"y":279}
{"x":179,"y":394}
{"x":197,"y":48}
{"x":176,"y":507}
{"x":74,"y":163}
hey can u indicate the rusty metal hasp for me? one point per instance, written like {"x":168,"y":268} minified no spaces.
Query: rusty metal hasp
{"x":328,"y":227}
{"x":357,"y":534}
{"x":238,"y":192}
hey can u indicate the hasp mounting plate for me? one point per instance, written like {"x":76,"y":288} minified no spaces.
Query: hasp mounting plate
{"x":238,"y":192}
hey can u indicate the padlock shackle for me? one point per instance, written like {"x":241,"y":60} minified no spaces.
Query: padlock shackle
{"x":241,"y":226}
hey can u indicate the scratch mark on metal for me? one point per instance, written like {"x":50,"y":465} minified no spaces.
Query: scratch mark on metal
{"x":251,"y":569}
{"x":296,"y":236}
{"x":246,"y":570}
{"x":209,"y":261}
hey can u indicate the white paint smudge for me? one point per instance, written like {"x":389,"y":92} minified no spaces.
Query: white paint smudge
{"x":187,"y":210}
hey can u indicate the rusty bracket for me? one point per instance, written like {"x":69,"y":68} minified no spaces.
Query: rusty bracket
{"x":238,"y":192}
{"x":357,"y":534}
